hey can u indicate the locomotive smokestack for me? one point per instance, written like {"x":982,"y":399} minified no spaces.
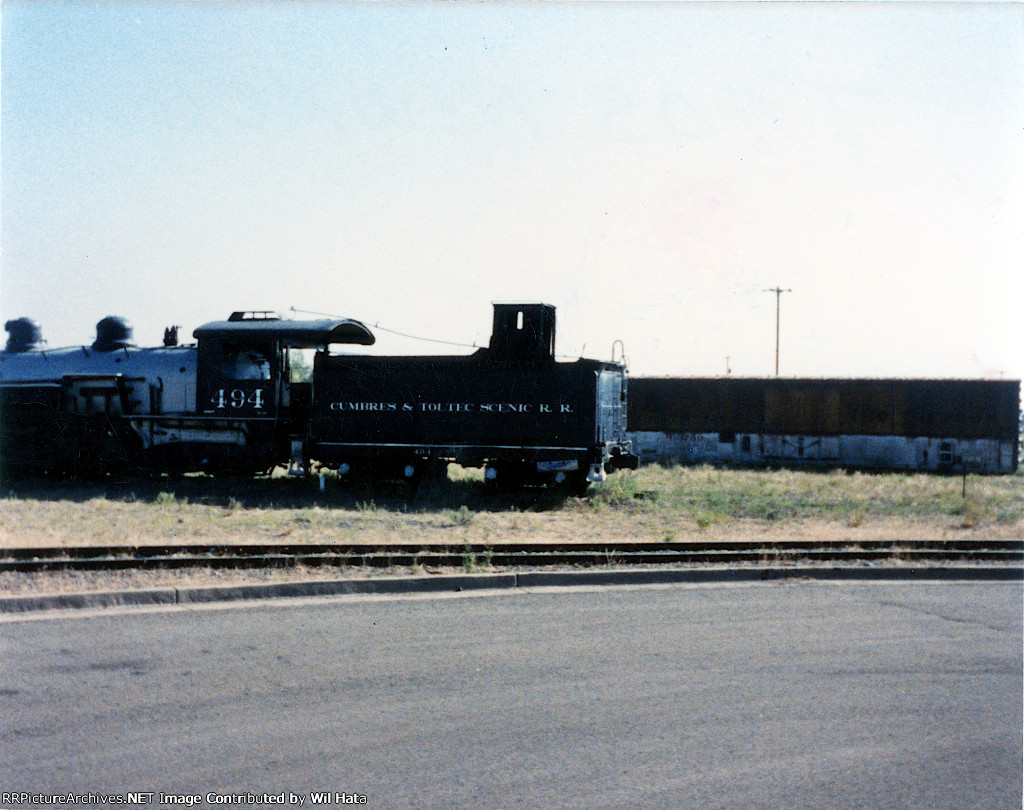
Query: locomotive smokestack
{"x":23,"y":335}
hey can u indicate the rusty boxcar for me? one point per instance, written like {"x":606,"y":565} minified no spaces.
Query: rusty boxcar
{"x":934,"y":425}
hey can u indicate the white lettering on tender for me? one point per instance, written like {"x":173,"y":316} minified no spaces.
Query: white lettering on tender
{"x":448,"y":407}
{"x":364,"y":406}
{"x":442,"y":407}
{"x":507,"y":407}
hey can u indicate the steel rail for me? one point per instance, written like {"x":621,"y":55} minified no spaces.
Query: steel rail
{"x":249,"y":549}
{"x":108,"y":558}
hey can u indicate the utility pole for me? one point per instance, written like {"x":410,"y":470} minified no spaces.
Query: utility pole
{"x":778,"y":297}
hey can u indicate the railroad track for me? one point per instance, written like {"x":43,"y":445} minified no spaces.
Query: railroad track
{"x":512,"y":555}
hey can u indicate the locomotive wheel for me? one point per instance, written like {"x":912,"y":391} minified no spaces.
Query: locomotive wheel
{"x":101,"y":449}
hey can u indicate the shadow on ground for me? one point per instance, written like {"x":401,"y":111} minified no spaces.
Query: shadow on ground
{"x":283,"y":492}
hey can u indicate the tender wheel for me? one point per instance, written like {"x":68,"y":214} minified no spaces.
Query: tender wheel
{"x":505,"y":476}
{"x":576,"y":483}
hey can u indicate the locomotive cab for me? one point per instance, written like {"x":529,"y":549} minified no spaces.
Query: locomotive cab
{"x":244,"y":375}
{"x":243,"y":362}
{"x":238,"y":379}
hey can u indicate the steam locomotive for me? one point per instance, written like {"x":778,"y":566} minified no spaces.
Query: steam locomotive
{"x":232,"y":402}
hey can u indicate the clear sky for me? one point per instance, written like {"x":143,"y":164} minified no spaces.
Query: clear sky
{"x":650,"y":169}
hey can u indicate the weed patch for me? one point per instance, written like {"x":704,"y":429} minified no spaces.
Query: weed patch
{"x":469,"y":564}
{"x":459,"y":517}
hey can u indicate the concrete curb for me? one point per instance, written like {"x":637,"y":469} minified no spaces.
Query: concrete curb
{"x":697,"y":575}
{"x":89,"y":599}
{"x":340,"y":587}
{"x":497,"y":581}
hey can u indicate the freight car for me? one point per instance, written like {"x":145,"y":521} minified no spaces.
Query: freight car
{"x":228,"y":403}
{"x":899,"y":424}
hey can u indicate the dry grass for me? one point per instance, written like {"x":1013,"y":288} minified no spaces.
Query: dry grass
{"x":655,"y":503}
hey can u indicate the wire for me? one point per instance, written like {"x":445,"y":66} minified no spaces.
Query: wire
{"x":391,"y":331}
{"x":427,"y":340}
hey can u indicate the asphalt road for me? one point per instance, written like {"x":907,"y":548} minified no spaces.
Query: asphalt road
{"x":809,"y":695}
